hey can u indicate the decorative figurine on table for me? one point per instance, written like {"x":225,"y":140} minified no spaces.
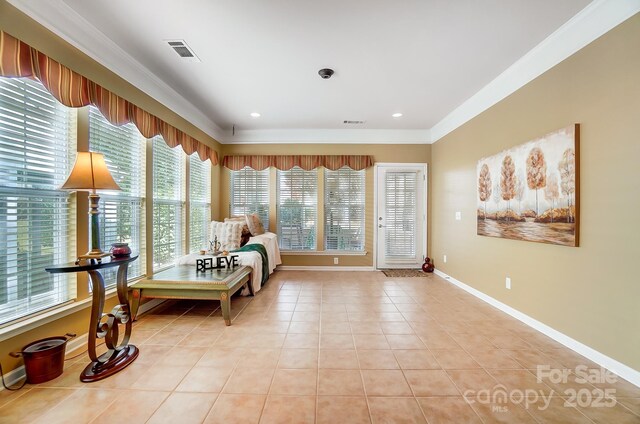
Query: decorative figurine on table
{"x":214,"y":246}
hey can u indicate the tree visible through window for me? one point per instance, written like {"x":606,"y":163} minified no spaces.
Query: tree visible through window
{"x":344,"y":204}
{"x":168,"y":203}
{"x":297,"y":209}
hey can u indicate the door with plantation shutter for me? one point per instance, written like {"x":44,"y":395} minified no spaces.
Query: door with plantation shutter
{"x":400,"y":215}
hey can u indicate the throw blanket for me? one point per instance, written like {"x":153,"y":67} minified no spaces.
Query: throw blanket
{"x":265,"y":259}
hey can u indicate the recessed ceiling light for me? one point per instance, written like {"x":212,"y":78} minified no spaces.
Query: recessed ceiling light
{"x":254,"y":114}
{"x":397,"y":115}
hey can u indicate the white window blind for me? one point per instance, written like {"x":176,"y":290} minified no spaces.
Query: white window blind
{"x":250,"y":193}
{"x":168,"y":203}
{"x":37,"y":147}
{"x":297,"y":209}
{"x":199,"y":202}
{"x":401,"y":214}
{"x":344,"y":197}
{"x":121,"y":212}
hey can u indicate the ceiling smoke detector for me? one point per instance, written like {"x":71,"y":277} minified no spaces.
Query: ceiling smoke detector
{"x":183,"y":50}
{"x":325,"y":73}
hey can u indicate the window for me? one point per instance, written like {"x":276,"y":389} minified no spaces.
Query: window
{"x":250,"y":193}
{"x":297,"y":204}
{"x":199,"y":202}
{"x":121,"y":212}
{"x":168,"y":203}
{"x":37,"y":148}
{"x":344,"y":209}
{"x":401,"y":209}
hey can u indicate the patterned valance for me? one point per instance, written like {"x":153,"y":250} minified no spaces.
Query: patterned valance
{"x":18,"y":59}
{"x":306,"y":162}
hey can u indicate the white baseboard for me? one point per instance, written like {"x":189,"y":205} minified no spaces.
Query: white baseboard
{"x":599,"y":358}
{"x":79,"y":342}
{"x":324,"y":268}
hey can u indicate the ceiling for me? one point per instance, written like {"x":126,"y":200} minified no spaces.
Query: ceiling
{"x":422,"y":58}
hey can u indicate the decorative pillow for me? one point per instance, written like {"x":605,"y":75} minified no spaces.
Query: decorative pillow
{"x":255,"y":224}
{"x":229,"y":234}
{"x":245,"y":229}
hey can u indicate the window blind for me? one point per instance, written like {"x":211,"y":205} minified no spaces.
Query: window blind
{"x":121,"y":212}
{"x":37,"y":147}
{"x":344,"y":203}
{"x":250,"y":193}
{"x":297,"y":209}
{"x":199,"y":202}
{"x":401,"y":214}
{"x":168,"y":203}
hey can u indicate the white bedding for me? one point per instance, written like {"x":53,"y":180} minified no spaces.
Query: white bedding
{"x":250,"y":259}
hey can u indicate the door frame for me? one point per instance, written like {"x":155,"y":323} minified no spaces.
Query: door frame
{"x":376,"y":167}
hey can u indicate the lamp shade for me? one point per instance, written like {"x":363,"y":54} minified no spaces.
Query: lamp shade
{"x":90,"y":172}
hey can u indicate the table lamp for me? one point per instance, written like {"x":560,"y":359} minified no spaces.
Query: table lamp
{"x":90,"y":173}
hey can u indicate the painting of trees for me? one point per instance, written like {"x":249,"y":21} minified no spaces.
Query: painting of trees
{"x":567,"y":169}
{"x":484,"y":186}
{"x":551,"y":193}
{"x":508,"y":181}
{"x":536,"y":172}
{"x":545,"y":166}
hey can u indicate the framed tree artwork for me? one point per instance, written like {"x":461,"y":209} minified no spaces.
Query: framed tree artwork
{"x":530,"y":192}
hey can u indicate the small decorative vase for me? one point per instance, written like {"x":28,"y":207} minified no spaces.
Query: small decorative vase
{"x":120,"y":250}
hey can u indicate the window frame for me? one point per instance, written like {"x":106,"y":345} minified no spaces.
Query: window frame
{"x":306,"y":235}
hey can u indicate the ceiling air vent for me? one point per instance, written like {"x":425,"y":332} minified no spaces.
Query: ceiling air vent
{"x":183,"y":50}
{"x":353,"y":122}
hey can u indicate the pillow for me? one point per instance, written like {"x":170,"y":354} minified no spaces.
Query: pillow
{"x":229,"y":234}
{"x":245,"y":229}
{"x":255,"y":224}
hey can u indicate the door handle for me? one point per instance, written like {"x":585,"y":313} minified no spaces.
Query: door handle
{"x":380,"y":225}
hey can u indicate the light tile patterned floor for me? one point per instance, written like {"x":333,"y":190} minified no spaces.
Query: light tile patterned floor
{"x":331,"y":347}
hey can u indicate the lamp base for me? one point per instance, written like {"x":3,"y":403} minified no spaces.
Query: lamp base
{"x":92,"y":256}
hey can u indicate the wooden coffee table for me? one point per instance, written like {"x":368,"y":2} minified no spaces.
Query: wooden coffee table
{"x":184,"y":282}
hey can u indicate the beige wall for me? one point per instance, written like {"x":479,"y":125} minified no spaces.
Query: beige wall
{"x":591,"y":292}
{"x":401,"y":153}
{"x":17,"y":24}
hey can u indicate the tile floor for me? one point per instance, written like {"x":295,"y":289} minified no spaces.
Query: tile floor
{"x":332,"y":347}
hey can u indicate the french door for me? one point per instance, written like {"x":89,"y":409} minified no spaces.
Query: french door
{"x":400,"y":221}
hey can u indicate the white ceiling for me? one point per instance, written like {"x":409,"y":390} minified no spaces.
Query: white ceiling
{"x":423,"y":58}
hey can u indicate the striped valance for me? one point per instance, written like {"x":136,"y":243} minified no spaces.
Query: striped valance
{"x":306,"y":162}
{"x":18,"y":59}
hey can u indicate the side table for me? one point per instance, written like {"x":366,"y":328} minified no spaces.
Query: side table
{"x":106,"y":326}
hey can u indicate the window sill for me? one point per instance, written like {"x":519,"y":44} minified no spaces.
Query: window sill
{"x":323,"y":252}
{"x":47,"y":316}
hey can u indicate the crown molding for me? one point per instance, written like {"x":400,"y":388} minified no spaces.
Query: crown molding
{"x":341,"y":136}
{"x":62,"y":20}
{"x":593,"y":21}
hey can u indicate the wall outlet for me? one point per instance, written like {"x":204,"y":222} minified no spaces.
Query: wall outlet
{"x":335,"y":261}
{"x":458,"y":216}
{"x":444,"y":259}
{"x":508,"y":283}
